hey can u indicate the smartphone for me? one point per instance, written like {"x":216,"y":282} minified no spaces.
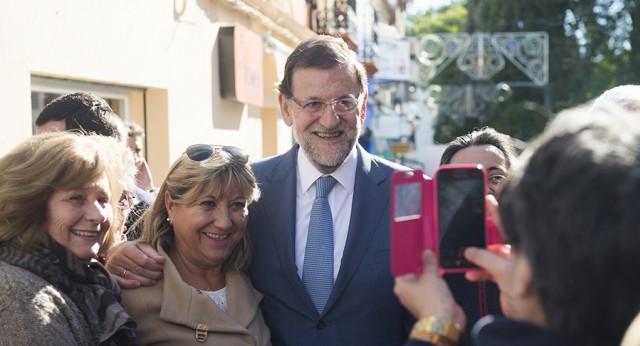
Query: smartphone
{"x":460,"y":212}
{"x":411,"y":220}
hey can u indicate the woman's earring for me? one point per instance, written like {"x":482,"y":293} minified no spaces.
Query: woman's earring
{"x":169,"y":219}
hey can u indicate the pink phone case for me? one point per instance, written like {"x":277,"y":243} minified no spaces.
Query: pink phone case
{"x":435,"y":209}
{"x":493,"y":233}
{"x":411,"y":234}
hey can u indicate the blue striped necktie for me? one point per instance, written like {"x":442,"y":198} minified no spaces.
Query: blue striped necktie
{"x":317,"y":272}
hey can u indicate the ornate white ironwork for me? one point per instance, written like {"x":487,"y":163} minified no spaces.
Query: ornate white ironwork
{"x":465,"y":101}
{"x":529,"y":51}
{"x":437,"y":51}
{"x":479,"y":59}
{"x":481,"y":55}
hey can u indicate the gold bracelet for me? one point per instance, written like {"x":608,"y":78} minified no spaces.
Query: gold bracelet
{"x":437,"y":331}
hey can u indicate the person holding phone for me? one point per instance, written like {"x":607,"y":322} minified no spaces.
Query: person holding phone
{"x":569,"y":213}
{"x":496,"y":152}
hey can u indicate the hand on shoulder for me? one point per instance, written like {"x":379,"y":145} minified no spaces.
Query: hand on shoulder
{"x":134,"y":264}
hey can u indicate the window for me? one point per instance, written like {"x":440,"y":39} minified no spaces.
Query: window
{"x":44,"y":90}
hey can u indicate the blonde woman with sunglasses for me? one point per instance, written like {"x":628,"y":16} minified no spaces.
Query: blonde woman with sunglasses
{"x":199,"y":225}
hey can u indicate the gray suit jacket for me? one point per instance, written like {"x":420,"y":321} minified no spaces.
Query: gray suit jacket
{"x":362,"y":309}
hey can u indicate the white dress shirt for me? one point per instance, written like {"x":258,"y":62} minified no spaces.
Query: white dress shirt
{"x":340,"y":200}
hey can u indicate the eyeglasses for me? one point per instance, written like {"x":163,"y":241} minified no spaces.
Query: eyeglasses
{"x":343,"y":106}
{"x":126,"y":200}
{"x":203,"y":152}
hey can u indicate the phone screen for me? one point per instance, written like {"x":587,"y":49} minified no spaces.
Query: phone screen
{"x":408,"y":204}
{"x":461,"y":214}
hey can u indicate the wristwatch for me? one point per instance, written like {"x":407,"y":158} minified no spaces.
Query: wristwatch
{"x":436,"y":330}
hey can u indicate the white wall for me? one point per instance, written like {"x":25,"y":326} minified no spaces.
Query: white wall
{"x":161,"y":44}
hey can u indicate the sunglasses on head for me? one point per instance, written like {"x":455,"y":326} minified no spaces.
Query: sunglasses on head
{"x":203,"y":152}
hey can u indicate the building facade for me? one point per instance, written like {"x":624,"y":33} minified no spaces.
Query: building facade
{"x":188,"y":71}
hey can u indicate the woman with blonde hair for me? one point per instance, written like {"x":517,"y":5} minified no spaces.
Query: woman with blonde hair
{"x":58,"y":196}
{"x":199,"y":225}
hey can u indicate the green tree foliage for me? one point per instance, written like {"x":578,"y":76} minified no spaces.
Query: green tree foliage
{"x":609,"y":38}
{"x":451,"y":18}
{"x":512,"y":116}
{"x":448,"y":18}
{"x":593,"y":45}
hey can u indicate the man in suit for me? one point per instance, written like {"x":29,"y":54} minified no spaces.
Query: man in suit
{"x":323,"y":97}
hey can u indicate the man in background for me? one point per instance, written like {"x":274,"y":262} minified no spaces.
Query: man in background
{"x":81,"y":111}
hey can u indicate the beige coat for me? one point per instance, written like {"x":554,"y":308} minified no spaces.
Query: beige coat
{"x":170,"y":312}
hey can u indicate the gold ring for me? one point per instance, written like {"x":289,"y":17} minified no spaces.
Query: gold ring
{"x":124,"y":274}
